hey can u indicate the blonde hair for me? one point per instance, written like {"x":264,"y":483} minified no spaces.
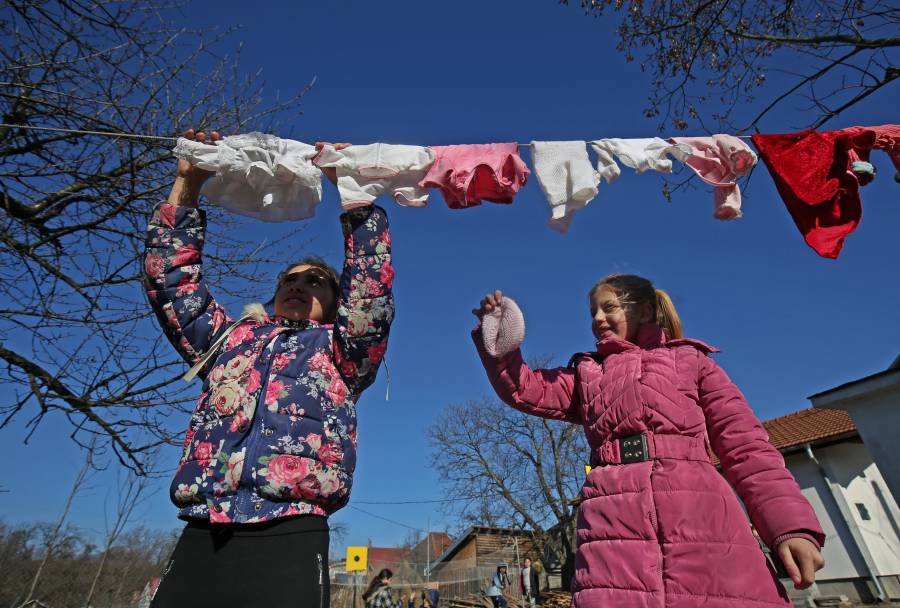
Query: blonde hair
{"x":633,"y":291}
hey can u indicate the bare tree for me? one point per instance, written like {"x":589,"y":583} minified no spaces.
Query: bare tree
{"x":412,"y":538}
{"x":132,"y":490}
{"x":57,"y":574}
{"x":511,"y":469}
{"x":52,"y":539}
{"x":139,"y":555}
{"x":721,"y":52}
{"x":76,"y":337}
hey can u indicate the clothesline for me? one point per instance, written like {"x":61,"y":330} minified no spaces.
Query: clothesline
{"x":150,"y":137}
{"x":818,"y":174}
{"x":82,"y":132}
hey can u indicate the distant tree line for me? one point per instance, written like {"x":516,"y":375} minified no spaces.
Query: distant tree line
{"x":67,"y":575}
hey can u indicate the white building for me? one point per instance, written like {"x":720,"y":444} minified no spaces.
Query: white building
{"x":873,"y":403}
{"x":859,"y":514}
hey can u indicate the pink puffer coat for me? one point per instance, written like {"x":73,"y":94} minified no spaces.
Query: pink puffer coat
{"x":667,"y":532}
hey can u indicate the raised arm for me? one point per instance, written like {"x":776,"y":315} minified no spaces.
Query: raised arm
{"x":548,"y":393}
{"x":366,"y":304}
{"x":173,"y":278}
{"x":751,"y":464}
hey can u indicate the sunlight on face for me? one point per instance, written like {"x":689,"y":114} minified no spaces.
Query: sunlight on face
{"x":305,"y":293}
{"x":610,"y":318}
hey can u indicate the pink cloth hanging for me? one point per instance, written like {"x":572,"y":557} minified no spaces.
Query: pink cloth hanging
{"x":470,"y":173}
{"x":719,"y":160}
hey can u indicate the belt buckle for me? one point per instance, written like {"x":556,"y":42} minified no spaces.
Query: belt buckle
{"x":634,"y":449}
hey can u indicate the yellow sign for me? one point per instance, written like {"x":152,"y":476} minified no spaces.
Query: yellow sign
{"x":587,"y":469}
{"x":357,"y":558}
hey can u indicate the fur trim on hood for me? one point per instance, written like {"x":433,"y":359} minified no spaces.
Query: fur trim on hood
{"x":257,"y":312}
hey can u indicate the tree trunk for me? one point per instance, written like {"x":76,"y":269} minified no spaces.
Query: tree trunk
{"x":90,"y":596}
{"x":568,"y":571}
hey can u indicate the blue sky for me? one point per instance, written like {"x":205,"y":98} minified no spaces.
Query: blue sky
{"x":789,"y":323}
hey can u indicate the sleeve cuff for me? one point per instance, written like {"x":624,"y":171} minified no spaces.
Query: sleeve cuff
{"x":168,"y":215}
{"x":799,"y":534}
{"x":365,"y":228}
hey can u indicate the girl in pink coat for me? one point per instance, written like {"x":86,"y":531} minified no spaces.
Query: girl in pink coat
{"x":659,"y":526}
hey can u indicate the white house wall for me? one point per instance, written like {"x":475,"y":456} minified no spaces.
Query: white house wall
{"x":874,"y":406}
{"x":852,"y":468}
{"x":842,"y":559}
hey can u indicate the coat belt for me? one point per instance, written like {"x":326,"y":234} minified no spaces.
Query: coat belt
{"x":655,"y":446}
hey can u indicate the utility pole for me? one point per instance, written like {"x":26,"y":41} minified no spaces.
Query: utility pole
{"x":428,"y":553}
{"x":519,"y":566}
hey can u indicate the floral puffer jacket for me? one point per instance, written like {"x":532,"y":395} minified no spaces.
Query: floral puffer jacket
{"x":274,"y":431}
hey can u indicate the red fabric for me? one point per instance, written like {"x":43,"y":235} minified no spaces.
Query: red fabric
{"x":812,"y":173}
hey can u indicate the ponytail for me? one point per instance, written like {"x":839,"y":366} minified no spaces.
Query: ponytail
{"x":376,"y":583}
{"x":667,"y":316}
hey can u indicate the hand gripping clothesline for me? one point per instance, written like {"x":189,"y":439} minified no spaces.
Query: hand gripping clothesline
{"x":818,"y":174}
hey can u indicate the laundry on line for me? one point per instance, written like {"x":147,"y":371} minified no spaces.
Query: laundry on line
{"x":817,"y":174}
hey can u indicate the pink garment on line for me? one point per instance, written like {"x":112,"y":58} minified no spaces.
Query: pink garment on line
{"x":469,"y":173}
{"x":719,"y":160}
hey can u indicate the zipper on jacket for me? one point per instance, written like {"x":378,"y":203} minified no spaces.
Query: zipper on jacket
{"x":246,"y":481}
{"x":321,"y":583}
{"x":654,"y":522}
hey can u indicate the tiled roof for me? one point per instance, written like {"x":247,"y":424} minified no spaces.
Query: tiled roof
{"x":811,"y":425}
{"x":387,"y":555}
{"x":808,"y":426}
{"x":439,"y":542}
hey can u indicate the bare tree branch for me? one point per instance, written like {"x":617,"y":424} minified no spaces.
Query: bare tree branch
{"x":77,"y":338}
{"x":53,"y":538}
{"x":511,"y":469}
{"x":718,"y":54}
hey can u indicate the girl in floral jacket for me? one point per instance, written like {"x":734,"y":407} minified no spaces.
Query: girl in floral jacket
{"x":271,"y":446}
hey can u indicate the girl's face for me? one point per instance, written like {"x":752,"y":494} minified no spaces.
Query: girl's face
{"x":304,"y":293}
{"x":610,"y":318}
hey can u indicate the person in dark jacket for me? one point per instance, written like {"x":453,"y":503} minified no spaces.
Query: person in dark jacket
{"x":379,"y":595}
{"x":270,"y":449}
{"x":529,"y":586}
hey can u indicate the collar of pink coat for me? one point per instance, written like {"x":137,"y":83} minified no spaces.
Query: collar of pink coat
{"x":650,"y":335}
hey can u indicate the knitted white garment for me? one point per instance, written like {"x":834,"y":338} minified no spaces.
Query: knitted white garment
{"x":364,"y":172}
{"x":566,"y":176}
{"x":641,"y":154}
{"x":503,"y":329}
{"x":258,"y":175}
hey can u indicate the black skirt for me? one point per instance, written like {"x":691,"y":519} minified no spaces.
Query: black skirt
{"x":278,"y":563}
